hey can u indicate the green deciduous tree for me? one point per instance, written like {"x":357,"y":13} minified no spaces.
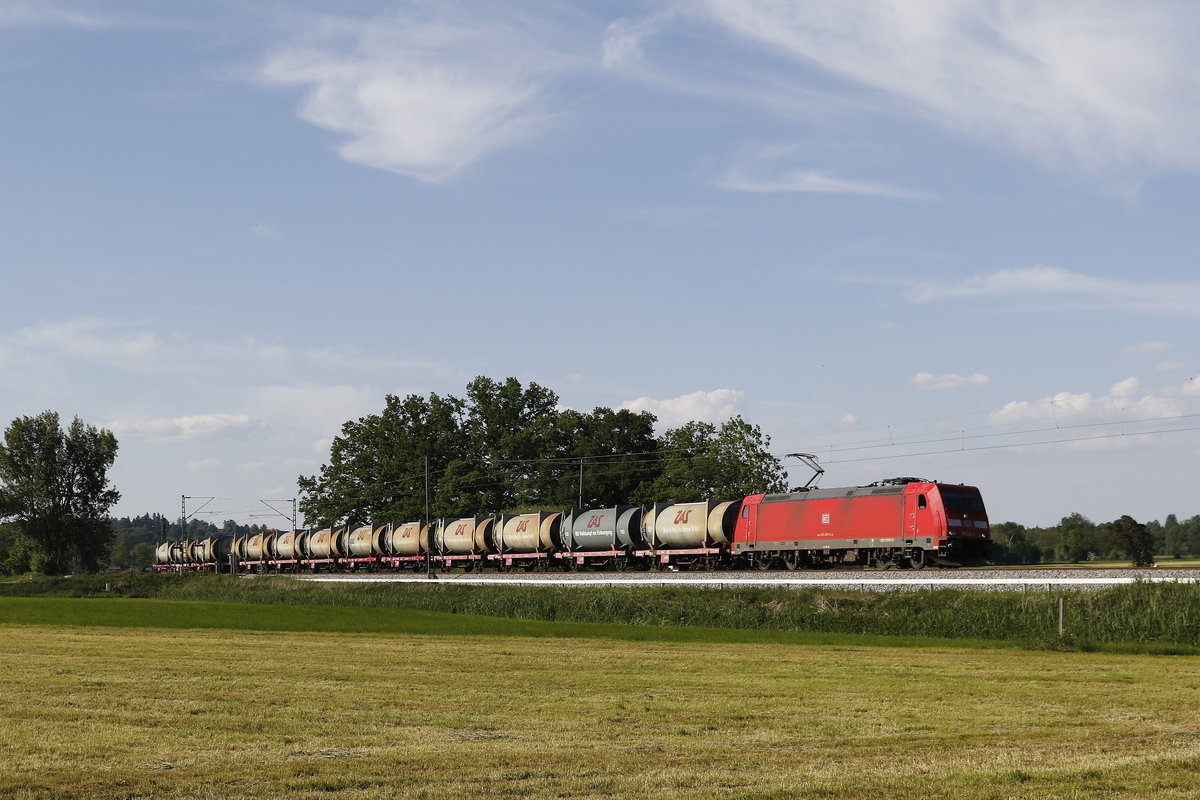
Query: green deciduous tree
{"x":702,"y":461}
{"x":508,"y":447}
{"x":54,"y":489}
{"x":1135,"y":539}
{"x":1077,"y":537}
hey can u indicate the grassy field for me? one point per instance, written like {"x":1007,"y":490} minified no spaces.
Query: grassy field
{"x":98,"y":705}
{"x":1149,"y":618}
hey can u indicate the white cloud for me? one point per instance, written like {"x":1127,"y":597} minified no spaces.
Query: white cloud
{"x":930,"y":382}
{"x":1083,"y":291}
{"x":204,"y":465}
{"x":92,"y":340}
{"x":782,"y":169}
{"x":1127,"y":400}
{"x":1169,"y":366}
{"x":715,"y":406}
{"x":801,"y":180}
{"x":1125,"y":388}
{"x":1091,"y":85}
{"x":1144,"y":348}
{"x":847,"y":421}
{"x":46,"y":13}
{"x":188,"y":429}
{"x":424,"y":95}
{"x":318,"y":409}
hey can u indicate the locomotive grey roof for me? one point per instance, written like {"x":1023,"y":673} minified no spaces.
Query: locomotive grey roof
{"x":874,"y":490}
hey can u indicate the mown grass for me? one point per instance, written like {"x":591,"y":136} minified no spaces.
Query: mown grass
{"x":108,"y":712}
{"x":1142,"y":617}
{"x":195,"y":614}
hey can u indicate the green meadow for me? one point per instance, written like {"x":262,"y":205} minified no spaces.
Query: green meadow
{"x":98,"y":709}
{"x":118,"y":697}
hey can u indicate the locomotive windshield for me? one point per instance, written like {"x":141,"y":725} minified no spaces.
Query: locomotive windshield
{"x":961,"y":501}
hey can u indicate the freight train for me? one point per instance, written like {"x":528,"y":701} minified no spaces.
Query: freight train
{"x":900,"y":522}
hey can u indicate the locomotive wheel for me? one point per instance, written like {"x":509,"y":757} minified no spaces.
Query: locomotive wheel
{"x":916,"y":559}
{"x":762,"y":561}
{"x":792,"y":560}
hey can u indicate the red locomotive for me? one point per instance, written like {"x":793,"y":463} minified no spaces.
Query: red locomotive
{"x":893,"y":523}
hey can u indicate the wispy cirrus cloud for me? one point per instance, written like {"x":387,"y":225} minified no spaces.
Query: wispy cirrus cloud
{"x":94,"y":340}
{"x":788,"y":168}
{"x":1144,"y":348}
{"x":46,"y":13}
{"x":801,"y":180}
{"x":425,"y":93}
{"x":1091,"y":86}
{"x":1068,"y":288}
{"x":715,"y":406}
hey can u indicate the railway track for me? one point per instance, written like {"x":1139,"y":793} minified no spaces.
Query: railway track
{"x":863,"y":580}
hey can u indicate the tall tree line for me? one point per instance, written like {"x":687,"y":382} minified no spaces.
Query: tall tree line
{"x":1077,"y":539}
{"x":508,"y":447}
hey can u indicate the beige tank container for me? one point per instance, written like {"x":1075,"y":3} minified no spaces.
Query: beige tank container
{"x":688,"y":525}
{"x":550,"y":530}
{"x":189,"y":551}
{"x":268,"y":545}
{"x":484,"y":539}
{"x":162,"y":553}
{"x":339,"y":543}
{"x":300,"y":544}
{"x":366,"y":541}
{"x":254,"y":548}
{"x":379,"y":539}
{"x":457,"y":536}
{"x":205,"y":551}
{"x":285,"y":546}
{"x":239,"y":547}
{"x":319,"y":544}
{"x":215,"y":548}
{"x":527,"y":533}
{"x":409,"y":539}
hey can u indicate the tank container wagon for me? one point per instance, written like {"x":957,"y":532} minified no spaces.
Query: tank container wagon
{"x":526,"y":540}
{"x":900,"y":522}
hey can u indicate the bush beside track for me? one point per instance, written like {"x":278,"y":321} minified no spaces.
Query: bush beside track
{"x":1142,"y":617}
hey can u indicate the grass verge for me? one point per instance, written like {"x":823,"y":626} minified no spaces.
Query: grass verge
{"x":1143,"y":617}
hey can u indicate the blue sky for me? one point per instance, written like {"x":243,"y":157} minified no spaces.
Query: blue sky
{"x":946,"y":239}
